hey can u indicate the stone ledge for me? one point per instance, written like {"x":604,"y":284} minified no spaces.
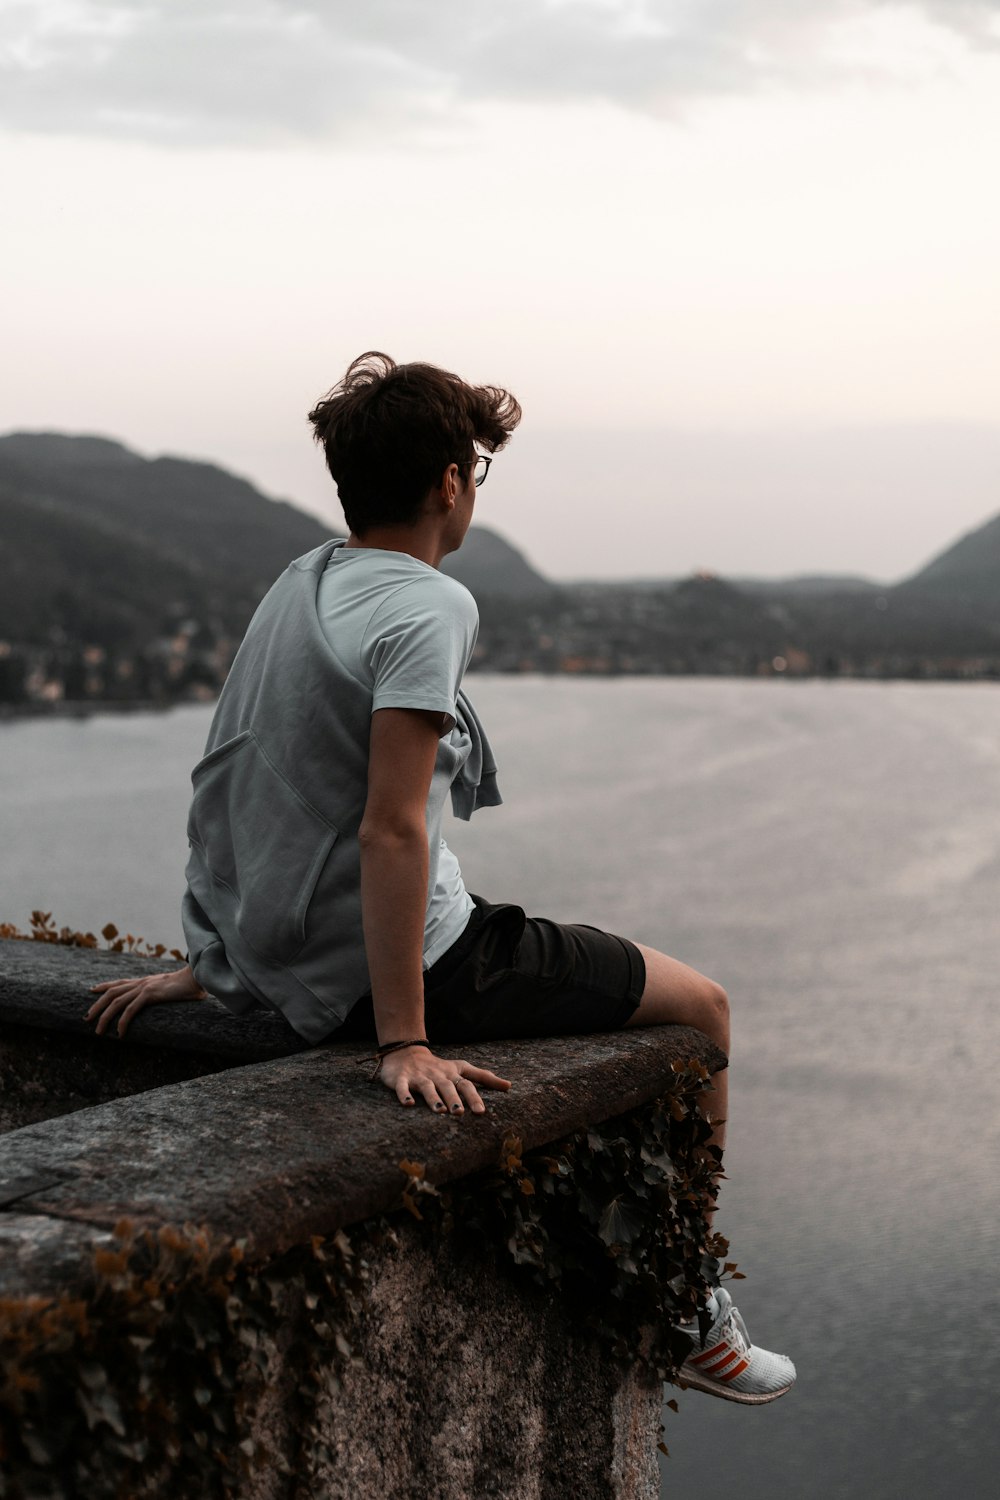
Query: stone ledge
{"x":472,"y":1384}
{"x":305,"y":1145}
{"x":295,"y":1143}
{"x":45,"y":985}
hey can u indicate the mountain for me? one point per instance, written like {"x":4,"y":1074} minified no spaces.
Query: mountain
{"x":103,"y":546}
{"x":948,"y":610}
{"x":968,"y":572}
{"x":494,"y":570}
{"x":127,"y":578}
{"x":699,"y":624}
{"x":705,"y":602}
{"x":113,"y":548}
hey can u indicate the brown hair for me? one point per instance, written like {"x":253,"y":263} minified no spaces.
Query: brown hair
{"x":389,"y":432}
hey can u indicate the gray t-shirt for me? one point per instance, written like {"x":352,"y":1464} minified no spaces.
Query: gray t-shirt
{"x":272,"y":909}
{"x":405,"y":631}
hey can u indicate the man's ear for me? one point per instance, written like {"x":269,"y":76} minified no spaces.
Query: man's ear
{"x":450,"y":485}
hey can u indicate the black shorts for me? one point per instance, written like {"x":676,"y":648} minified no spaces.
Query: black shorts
{"x":510,"y":975}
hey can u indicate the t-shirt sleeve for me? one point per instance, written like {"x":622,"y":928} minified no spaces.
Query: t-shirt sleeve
{"x":419,"y":643}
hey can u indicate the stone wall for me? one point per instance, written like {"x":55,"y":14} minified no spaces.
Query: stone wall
{"x":445,"y":1376}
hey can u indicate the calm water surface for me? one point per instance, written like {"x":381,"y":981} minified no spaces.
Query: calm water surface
{"x":829,"y":852}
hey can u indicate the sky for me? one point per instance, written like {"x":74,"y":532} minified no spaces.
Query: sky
{"x":736,"y":258}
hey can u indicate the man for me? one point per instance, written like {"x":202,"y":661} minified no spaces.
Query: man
{"x":318,"y":881}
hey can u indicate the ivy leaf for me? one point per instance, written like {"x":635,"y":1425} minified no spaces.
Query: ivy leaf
{"x":94,"y":1376}
{"x":660,"y":1162}
{"x":620,"y":1223}
{"x":102,"y":1407}
{"x":591,"y":1206}
{"x":38,"y":1448}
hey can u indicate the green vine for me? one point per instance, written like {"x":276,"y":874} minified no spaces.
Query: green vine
{"x":142,"y":1389}
{"x":613,"y":1218}
{"x":146,"y":1386}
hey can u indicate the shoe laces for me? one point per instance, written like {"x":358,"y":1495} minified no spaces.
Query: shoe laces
{"x":732,"y":1328}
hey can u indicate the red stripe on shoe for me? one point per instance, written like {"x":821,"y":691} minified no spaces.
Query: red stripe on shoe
{"x":744,"y":1364}
{"x":720,"y":1364}
{"x":706,"y":1354}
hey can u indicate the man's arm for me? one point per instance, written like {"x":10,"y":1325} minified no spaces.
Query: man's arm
{"x":394,"y":866}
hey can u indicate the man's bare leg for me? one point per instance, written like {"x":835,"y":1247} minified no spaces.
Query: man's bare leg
{"x":677,"y":995}
{"x":723,"y":1363}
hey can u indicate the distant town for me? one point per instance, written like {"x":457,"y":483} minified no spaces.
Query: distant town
{"x":129,"y":582}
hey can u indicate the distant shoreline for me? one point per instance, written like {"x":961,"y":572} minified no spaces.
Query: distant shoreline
{"x":87,"y":708}
{"x":11,"y":713}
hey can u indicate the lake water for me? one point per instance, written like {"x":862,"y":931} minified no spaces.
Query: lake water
{"x":828,"y":851}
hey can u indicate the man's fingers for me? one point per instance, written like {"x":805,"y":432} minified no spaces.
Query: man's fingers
{"x":484,"y":1077}
{"x":427,"y":1090}
{"x":151,"y":989}
{"x":111,"y":1010}
{"x":470,"y":1094}
{"x":451,"y":1097}
{"x":111,"y":999}
{"x":109,"y":991}
{"x":445,"y":1086}
{"x":125,"y":999}
{"x":132,"y":1009}
{"x":120,"y":990}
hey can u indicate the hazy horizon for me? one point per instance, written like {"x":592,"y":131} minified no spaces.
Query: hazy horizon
{"x":736,"y":261}
{"x":771,"y":536}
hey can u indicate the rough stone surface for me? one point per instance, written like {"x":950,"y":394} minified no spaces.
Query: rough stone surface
{"x":472,"y":1387}
{"x":47,"y":986}
{"x":469,"y":1385}
{"x":43,"y":1257}
{"x":55,"y":1073}
{"x":304,"y":1145}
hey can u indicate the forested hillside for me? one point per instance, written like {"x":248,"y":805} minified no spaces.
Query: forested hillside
{"x":133,"y":579}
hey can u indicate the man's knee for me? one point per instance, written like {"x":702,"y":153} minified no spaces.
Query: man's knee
{"x":676,"y":994}
{"x":718,"y":1000}
{"x":716,"y":1003}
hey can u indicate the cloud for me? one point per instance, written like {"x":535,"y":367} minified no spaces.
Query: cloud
{"x":266,"y":71}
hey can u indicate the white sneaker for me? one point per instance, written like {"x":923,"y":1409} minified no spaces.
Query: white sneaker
{"x":728,"y":1365}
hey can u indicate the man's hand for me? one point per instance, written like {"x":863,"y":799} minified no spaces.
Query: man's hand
{"x":445,"y":1084}
{"x":125,"y":998}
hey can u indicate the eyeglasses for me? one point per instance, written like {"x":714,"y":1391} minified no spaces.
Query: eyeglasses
{"x":480,"y":466}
